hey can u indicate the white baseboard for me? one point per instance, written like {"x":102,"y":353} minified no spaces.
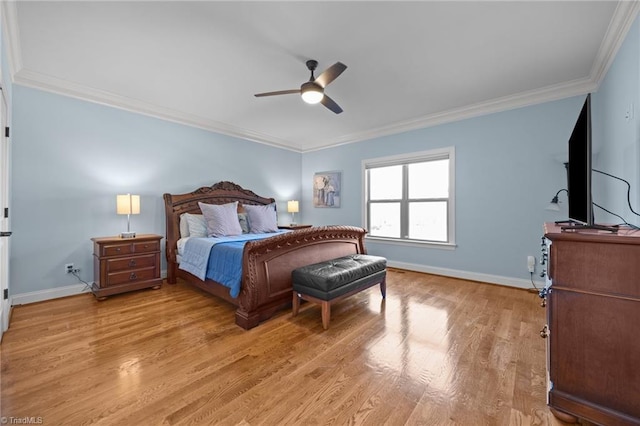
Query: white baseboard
{"x":466,"y":275}
{"x":54,"y":293}
{"x":48,"y":294}
{"x":72,"y":290}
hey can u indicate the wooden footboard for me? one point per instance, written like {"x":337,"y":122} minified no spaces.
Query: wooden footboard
{"x":267,"y":266}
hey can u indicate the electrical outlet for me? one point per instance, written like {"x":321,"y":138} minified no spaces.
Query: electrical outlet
{"x":531,"y":263}
{"x":68,"y":268}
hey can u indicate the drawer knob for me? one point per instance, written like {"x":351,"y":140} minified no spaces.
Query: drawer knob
{"x":544,"y":333}
{"x":132,"y":263}
{"x":146,"y":245}
{"x":117,"y":248}
{"x":133,"y":276}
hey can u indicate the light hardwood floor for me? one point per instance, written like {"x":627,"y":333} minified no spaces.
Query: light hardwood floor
{"x":438,"y":351}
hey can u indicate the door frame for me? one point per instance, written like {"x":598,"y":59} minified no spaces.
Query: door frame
{"x":5,"y":305}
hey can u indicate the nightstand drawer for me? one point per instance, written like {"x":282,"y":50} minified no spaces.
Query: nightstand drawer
{"x":116,"y":249}
{"x":127,"y":277}
{"x":129,"y":263}
{"x":146,"y":247}
{"x":130,"y":248}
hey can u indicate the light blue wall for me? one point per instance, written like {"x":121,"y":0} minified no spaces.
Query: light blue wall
{"x":615,"y":143}
{"x":508,"y":167}
{"x":71,"y":158}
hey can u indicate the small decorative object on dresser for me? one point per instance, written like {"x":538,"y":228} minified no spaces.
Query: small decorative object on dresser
{"x":294,"y":226}
{"x":121,"y":265}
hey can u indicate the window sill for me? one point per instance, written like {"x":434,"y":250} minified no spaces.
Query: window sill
{"x":412,"y":243}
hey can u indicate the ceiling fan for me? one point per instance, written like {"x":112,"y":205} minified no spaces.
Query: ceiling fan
{"x":312,"y":91}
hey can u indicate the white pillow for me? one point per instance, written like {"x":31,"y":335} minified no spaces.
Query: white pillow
{"x":184,"y":226}
{"x":221,"y":220}
{"x":262,"y":219}
{"x":195,"y":224}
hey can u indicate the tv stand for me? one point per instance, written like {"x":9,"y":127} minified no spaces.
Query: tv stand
{"x":593,"y":317}
{"x":576,"y":227}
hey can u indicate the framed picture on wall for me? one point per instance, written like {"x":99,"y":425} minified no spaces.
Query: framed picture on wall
{"x":327,"y":189}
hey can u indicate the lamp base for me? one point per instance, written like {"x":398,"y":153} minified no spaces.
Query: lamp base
{"x":128,"y":235}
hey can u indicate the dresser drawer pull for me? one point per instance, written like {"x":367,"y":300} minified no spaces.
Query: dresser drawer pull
{"x":133,"y":276}
{"x":132,"y":263}
{"x":146,"y":245}
{"x":544,"y":333}
{"x":117,"y":248}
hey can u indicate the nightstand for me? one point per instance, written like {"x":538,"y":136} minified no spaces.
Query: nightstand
{"x":294,"y":226}
{"x":125,"y":264}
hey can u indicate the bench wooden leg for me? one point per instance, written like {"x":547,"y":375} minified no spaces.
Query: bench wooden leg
{"x":383,"y":287}
{"x":296,"y":303}
{"x":326,"y":314}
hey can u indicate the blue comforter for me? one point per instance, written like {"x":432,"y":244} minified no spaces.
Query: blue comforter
{"x":218,"y":259}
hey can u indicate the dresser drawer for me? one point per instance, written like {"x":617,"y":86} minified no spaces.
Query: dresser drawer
{"x":128,"y":277}
{"x":129,"y":263}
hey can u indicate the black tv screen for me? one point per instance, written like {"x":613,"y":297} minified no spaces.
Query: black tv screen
{"x":579,"y":168}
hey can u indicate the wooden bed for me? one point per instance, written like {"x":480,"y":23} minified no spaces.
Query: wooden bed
{"x":266,"y":264}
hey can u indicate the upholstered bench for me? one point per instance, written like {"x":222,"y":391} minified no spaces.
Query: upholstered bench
{"x":335,"y":279}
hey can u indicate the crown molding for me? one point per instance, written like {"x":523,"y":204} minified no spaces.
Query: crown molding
{"x":62,"y":87}
{"x":623,"y":18}
{"x":519,"y":100}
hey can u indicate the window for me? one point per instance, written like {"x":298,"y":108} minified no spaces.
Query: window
{"x":410,"y":198}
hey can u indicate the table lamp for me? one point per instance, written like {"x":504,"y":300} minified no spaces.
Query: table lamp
{"x":293,"y":208}
{"x":128,"y":204}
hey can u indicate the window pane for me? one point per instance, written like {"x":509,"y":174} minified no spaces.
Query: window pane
{"x":385,"y":183}
{"x":385,"y":220}
{"x":429,"y":179}
{"x":428,"y":221}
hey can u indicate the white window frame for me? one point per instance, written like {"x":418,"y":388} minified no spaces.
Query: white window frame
{"x":403,"y":159}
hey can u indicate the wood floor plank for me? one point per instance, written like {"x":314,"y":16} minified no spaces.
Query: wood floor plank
{"x":436,"y":351}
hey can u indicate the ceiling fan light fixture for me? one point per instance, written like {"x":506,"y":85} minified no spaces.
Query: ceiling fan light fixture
{"x":311,"y":92}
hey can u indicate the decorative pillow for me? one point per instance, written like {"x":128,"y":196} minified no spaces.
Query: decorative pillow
{"x":244,"y":222}
{"x":262,"y":219}
{"x":184,"y":226}
{"x":221,"y":220}
{"x":195,"y":224}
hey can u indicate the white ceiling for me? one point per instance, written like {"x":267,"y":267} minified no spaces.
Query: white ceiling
{"x":410,"y":64}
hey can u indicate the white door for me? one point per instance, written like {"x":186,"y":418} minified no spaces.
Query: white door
{"x":4,"y":220}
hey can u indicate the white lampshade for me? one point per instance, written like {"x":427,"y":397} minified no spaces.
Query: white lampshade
{"x":293,"y":206}
{"x":128,"y":204}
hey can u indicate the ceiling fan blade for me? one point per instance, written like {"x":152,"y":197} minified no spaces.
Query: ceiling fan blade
{"x":330,"y":74}
{"x":280,"y":92}
{"x":331,"y":104}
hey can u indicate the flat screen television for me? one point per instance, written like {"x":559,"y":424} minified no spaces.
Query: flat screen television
{"x":579,"y":174}
{"x":579,"y":168}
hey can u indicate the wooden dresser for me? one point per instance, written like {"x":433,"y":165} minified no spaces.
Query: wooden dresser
{"x":125,"y":264}
{"x":593,"y":314}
